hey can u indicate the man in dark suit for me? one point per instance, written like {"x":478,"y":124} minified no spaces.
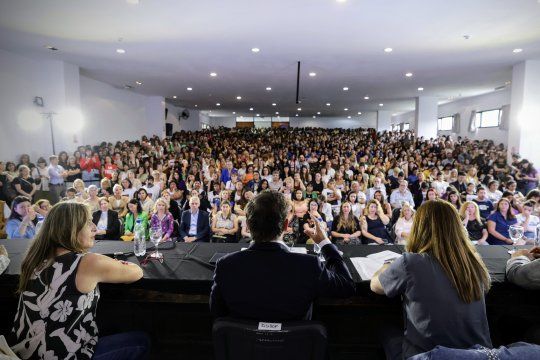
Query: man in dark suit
{"x":106,"y":221}
{"x":460,"y":185}
{"x":267,"y":282}
{"x":195,"y":225}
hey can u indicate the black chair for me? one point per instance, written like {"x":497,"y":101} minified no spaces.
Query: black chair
{"x":248,"y":340}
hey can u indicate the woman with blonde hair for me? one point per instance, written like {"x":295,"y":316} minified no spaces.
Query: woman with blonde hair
{"x":225,"y":224}
{"x":470,"y":217}
{"x":59,"y":293}
{"x":93,"y":199}
{"x":374,"y":224}
{"x":118,"y":202}
{"x":82,"y":194}
{"x":403,"y":225}
{"x":345,"y":227}
{"x":162,"y":219}
{"x":440,"y":270}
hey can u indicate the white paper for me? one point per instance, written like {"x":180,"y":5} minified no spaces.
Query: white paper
{"x":383,"y":256}
{"x":298,"y":250}
{"x":368,"y":266}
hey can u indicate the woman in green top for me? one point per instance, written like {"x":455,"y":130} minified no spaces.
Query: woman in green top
{"x":135,"y":212}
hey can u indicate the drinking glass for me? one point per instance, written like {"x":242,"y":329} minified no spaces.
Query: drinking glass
{"x":155,"y":238}
{"x":516,"y":233}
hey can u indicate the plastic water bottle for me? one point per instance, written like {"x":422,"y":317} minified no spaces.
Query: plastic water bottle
{"x":139,"y":241}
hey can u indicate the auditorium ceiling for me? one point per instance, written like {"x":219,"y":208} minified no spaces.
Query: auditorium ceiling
{"x":452,"y":49}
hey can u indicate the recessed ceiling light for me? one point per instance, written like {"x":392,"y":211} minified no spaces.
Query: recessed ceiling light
{"x":381,"y":104}
{"x":314,"y":116}
{"x":277,"y":112}
{"x":409,"y":74}
{"x":138,"y":82}
{"x":345,"y":88}
{"x":299,"y":109}
{"x":121,"y":51}
{"x":348,"y":117}
{"x":210,"y":111}
{"x":420,"y":89}
{"x":388,"y":50}
{"x":515,"y":51}
{"x":328,"y":104}
{"x":258,"y":115}
{"x":234,"y":112}
{"x":196,"y":105}
{"x":50,"y":47}
{"x":174,"y":97}
{"x":318,"y":113}
{"x":213,"y":74}
{"x":312,"y":74}
{"x":255,"y":50}
{"x":296,"y":115}
{"x":218,"y":104}
{"x":359,"y":113}
{"x":250,"y":109}
{"x":133,"y":2}
{"x":274,"y":104}
{"x":341,"y":1}
{"x":238,"y":98}
{"x":268,"y":88}
{"x":346,"y":109}
{"x":189,"y":89}
{"x":366,"y":97}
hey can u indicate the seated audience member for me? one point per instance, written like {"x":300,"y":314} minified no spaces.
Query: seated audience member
{"x":41,"y":177}
{"x":373,"y":224}
{"x":470,"y":193}
{"x":24,"y":184}
{"x":448,"y":274}
{"x":299,"y":204}
{"x":356,"y":207}
{"x":276,"y":182}
{"x":118,"y":202}
{"x":291,"y":281}
{"x":403,"y":226}
{"x":326,"y":209}
{"x":93,"y":199}
{"x":71,"y":195}
{"x":224,"y":225}
{"x":345,"y":227}
{"x":493,"y":193}
{"x":470,"y":217}
{"x":173,"y":205}
{"x":401,"y":196}
{"x":162,"y":219}
{"x":195,"y":224}
{"x":105,"y":188}
{"x":387,"y":208}
{"x":4,"y":259}
{"x":377,"y":186}
{"x":42,"y":208}
{"x":461,"y":184}
{"x":515,"y":205}
{"x":58,"y":273}
{"x":22,"y":221}
{"x":484,"y":204}
{"x":529,"y":221}
{"x":499,"y":222}
{"x":135,"y":212}
{"x":152,"y":190}
{"x":439,"y":184}
{"x":453,"y":198}
{"x":106,"y":221}
{"x":145,"y":200}
{"x":535,"y":196}
{"x":523,"y":268}
{"x":81,"y":191}
{"x":307,"y":225}
{"x":127,"y":188}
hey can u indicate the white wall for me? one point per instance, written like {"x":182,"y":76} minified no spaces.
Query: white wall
{"x":217,"y":121}
{"x":113,"y":114}
{"x":193,"y":123}
{"x":366,"y":120}
{"x":490,"y":101}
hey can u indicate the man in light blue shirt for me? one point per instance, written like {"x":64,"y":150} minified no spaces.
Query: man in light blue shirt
{"x":57,"y":175}
{"x":401,"y":195}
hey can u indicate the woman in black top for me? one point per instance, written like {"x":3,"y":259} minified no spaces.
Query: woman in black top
{"x":470,"y":217}
{"x":306,"y":223}
{"x":374,"y":224}
{"x":345,"y":227}
{"x":317,"y":183}
{"x":74,"y":171}
{"x":24,"y":184}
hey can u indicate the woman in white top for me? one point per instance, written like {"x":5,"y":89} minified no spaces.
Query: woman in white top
{"x":440,"y":185}
{"x":127,"y":188}
{"x":41,"y":172}
{"x":356,"y":207}
{"x":93,"y":200}
{"x":528,"y":220}
{"x":146,"y":201}
{"x":404,"y":224}
{"x":225,"y":225}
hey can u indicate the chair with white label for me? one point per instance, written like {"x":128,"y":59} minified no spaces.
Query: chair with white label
{"x":245,"y":340}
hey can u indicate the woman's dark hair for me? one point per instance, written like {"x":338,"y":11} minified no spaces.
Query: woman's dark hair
{"x":18,"y":199}
{"x":265,"y":215}
{"x":532,"y":194}
{"x":138,"y":203}
{"x":260,"y":188}
{"x":129,"y":182}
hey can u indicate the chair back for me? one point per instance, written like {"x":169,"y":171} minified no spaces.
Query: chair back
{"x":244,"y":340}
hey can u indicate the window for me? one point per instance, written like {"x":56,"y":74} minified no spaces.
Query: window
{"x":489,"y":118}
{"x":406,"y":126}
{"x":445,"y":123}
{"x":205,"y":126}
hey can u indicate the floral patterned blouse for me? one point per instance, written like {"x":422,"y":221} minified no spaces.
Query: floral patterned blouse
{"x":56,"y":321}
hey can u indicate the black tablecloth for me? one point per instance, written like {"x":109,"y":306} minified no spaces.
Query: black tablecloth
{"x":189,"y":262}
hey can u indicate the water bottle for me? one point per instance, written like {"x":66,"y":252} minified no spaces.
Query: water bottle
{"x":139,"y":241}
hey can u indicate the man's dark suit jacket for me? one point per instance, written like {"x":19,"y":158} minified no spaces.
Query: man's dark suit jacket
{"x":203,"y":226}
{"x":113,"y":225}
{"x":266,"y":282}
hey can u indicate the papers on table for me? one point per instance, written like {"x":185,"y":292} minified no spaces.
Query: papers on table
{"x":368,"y":266}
